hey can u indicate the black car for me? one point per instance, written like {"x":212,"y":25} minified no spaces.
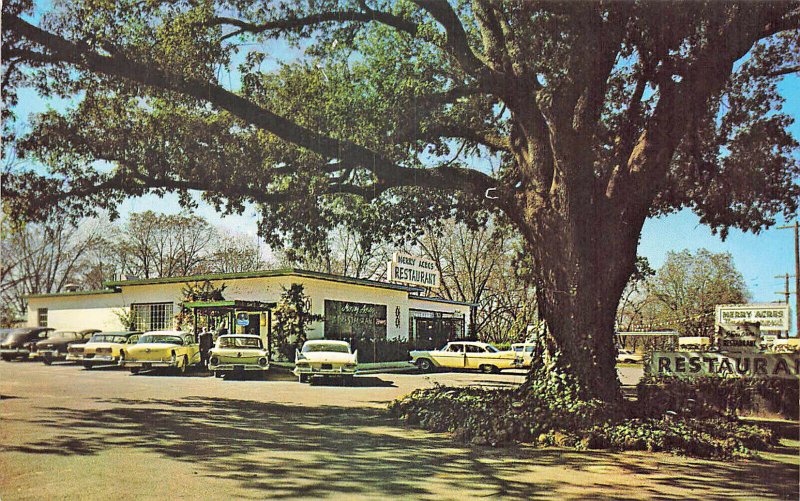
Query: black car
{"x":19,"y":342}
{"x":56,"y":346}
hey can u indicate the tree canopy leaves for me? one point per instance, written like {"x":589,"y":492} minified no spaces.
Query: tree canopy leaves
{"x":393,"y":102}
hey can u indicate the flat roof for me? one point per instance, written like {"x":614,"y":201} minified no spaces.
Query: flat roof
{"x":74,"y":293}
{"x":233,"y":304}
{"x":264,"y":274}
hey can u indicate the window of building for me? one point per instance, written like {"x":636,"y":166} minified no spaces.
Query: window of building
{"x":352,"y":321}
{"x":42,"y":317}
{"x":152,"y":316}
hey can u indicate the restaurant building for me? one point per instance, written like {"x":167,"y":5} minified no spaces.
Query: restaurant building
{"x":351,"y":308}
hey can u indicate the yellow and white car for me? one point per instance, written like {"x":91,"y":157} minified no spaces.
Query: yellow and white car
{"x":102,"y":348}
{"x":524,"y":351}
{"x":466,"y":355}
{"x":325,"y":357}
{"x":237,"y":353}
{"x":161,"y":350}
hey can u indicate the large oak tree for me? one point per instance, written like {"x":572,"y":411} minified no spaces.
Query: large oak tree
{"x":601,"y":114}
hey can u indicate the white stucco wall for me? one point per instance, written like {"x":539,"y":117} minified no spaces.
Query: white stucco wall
{"x":97,"y":310}
{"x":76,"y":312}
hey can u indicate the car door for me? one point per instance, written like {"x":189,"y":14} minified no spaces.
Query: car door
{"x":474,"y":356}
{"x":192,"y":349}
{"x":452,"y":356}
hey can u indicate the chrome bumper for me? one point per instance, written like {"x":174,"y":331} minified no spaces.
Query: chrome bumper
{"x":238,"y":367}
{"x":50,"y":354}
{"x":15,"y":351}
{"x":313,"y":371}
{"x":153,"y":364}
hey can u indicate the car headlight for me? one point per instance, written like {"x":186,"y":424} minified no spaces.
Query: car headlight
{"x":214,"y":360}
{"x":302,"y":363}
{"x":262,"y":361}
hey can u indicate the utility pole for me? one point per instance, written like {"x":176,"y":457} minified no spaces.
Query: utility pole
{"x":796,"y":227}
{"x":785,"y":291}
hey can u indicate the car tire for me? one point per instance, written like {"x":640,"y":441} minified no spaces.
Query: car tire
{"x":217,"y":373}
{"x":6,"y":358}
{"x":348,"y":380}
{"x":184,"y":365}
{"x":87,"y":366}
{"x":424,"y":365}
{"x":134,"y":370}
{"x":489,"y":369}
{"x":47,"y":361}
{"x":303,"y":378}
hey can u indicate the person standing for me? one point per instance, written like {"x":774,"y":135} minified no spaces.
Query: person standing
{"x":206,"y":340}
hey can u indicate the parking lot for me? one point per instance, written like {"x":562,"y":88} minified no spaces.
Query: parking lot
{"x":68,"y":433}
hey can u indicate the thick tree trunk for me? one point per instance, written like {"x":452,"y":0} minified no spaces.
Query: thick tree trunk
{"x":581,"y":272}
{"x":583,"y":253}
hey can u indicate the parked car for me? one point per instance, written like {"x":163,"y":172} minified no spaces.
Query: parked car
{"x":101,"y":348}
{"x":694,"y":343}
{"x":325,"y":357}
{"x":3,"y":334}
{"x":18,"y":342}
{"x":628,"y":357}
{"x":466,"y":355}
{"x":524,"y":351}
{"x":55,"y":346}
{"x":161,"y":350}
{"x":237,"y":353}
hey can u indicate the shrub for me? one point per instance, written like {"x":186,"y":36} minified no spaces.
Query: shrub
{"x":548,"y":411}
{"x":714,"y":395}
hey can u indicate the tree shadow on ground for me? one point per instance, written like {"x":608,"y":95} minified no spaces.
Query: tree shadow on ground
{"x":284,"y":451}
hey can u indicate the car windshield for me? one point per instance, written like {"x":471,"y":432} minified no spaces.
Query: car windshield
{"x":106,"y":338}
{"x":335,"y":347}
{"x":239,"y":342}
{"x":160,"y":339}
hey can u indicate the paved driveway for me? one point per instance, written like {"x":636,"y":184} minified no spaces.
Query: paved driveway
{"x":66,"y":433}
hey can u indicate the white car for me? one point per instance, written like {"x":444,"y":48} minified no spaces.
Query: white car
{"x":325,"y":357}
{"x":629,"y":357}
{"x":525,"y":352}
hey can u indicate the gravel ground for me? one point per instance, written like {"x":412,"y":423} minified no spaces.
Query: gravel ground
{"x":68,"y":433}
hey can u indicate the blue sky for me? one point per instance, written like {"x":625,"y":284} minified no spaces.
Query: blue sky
{"x":759,"y":257}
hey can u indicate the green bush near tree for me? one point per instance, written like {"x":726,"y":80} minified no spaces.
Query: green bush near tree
{"x":673,"y":417}
{"x":713,"y":395}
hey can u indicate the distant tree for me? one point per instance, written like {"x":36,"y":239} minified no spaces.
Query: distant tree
{"x":634,"y":297}
{"x":154,"y":245}
{"x":346,"y":251}
{"x":43,"y":258}
{"x":476,"y":266}
{"x":232,"y":252}
{"x":686,"y":288}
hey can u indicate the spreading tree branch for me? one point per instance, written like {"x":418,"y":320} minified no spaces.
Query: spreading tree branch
{"x":388,"y":173}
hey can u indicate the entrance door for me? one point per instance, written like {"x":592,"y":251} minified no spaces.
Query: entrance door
{"x":433,"y":333}
{"x":254,"y":327}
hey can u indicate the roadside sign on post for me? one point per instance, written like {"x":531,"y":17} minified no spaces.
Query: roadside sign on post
{"x":242,"y":319}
